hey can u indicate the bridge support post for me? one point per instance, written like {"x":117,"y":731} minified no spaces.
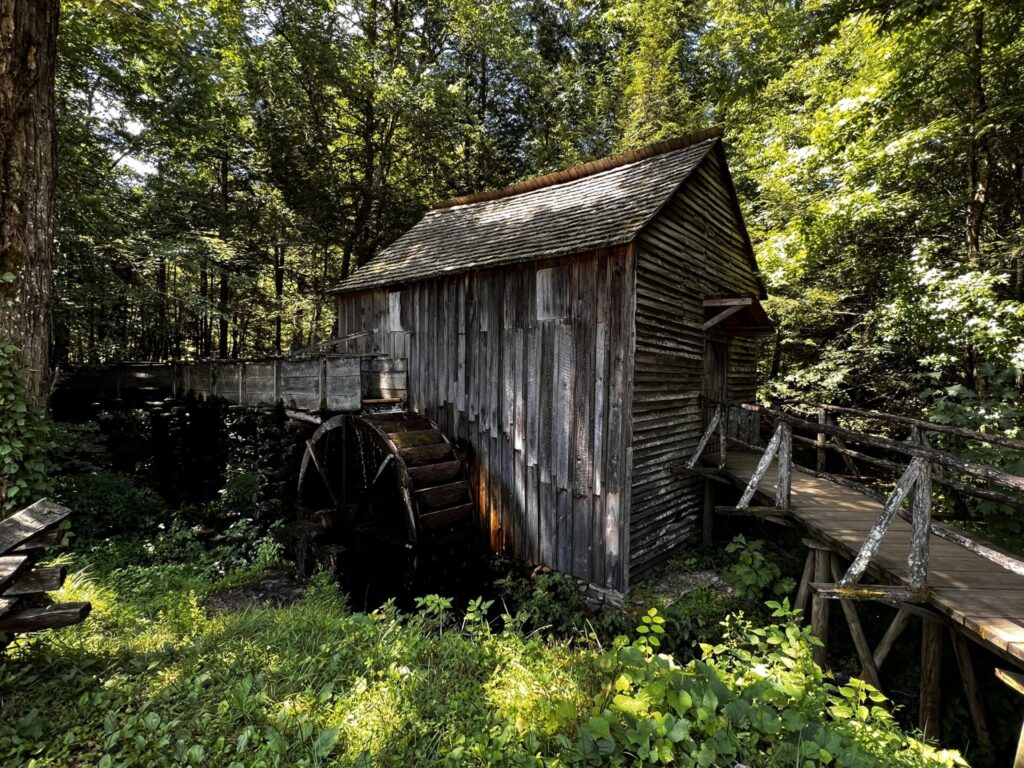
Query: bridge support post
{"x":819,"y":605}
{"x":930,"y":707}
{"x":962,"y":649}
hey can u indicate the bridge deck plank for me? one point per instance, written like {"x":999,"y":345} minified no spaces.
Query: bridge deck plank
{"x":971,"y":590}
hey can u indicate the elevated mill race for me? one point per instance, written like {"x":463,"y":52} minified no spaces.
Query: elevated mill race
{"x":382,"y":496}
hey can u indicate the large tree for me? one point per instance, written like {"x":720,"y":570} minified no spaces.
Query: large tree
{"x":28,"y":32}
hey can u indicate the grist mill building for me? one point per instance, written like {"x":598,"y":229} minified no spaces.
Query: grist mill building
{"x":565,"y":333}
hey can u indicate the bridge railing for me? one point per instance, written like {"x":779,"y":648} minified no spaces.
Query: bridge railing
{"x":909,"y":470}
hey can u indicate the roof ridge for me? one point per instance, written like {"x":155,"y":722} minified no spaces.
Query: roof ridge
{"x":585,"y":169}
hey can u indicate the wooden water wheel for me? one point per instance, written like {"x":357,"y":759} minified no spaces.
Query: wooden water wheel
{"x":391,"y":490}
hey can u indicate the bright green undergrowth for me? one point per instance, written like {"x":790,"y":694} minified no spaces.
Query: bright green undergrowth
{"x":155,"y":679}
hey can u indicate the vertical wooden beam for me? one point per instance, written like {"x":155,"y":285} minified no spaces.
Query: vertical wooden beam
{"x":819,"y":605}
{"x":277,"y":381}
{"x":820,"y":440}
{"x":803,"y":591}
{"x":708,"y":522}
{"x":851,"y":466}
{"x":723,"y":431}
{"x":869,"y":671}
{"x":930,"y":716}
{"x":962,"y":649}
{"x":892,"y":634}
{"x":323,"y":383}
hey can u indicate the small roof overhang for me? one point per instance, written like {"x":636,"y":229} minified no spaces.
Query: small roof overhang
{"x":737,"y":314}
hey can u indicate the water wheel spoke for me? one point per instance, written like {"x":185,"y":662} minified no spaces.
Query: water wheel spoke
{"x":410,"y":482}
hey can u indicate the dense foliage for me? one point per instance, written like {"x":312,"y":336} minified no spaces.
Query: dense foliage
{"x":223,"y":163}
{"x":160,"y":675}
{"x":24,"y":473}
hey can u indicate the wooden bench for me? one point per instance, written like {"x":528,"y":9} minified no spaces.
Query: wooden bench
{"x":24,"y":538}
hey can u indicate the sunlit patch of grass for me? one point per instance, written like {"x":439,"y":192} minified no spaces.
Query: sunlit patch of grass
{"x":532,"y":687}
{"x":152,"y":678}
{"x":370,"y":715}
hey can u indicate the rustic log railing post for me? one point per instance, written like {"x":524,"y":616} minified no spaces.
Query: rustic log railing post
{"x":820,"y":440}
{"x":874,"y":537}
{"x":783,"y":489}
{"x":921,"y":522}
{"x":832,"y":421}
{"x":706,"y":437}
{"x":782,"y":434}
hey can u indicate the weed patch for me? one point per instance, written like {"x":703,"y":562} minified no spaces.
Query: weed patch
{"x":156,"y":678}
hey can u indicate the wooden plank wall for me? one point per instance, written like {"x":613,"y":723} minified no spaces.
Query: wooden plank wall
{"x":693,"y":248}
{"x":528,"y":368}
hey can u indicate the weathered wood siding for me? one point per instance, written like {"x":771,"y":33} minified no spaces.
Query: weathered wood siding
{"x":334,"y":383}
{"x":692,"y":249}
{"x":528,"y":367}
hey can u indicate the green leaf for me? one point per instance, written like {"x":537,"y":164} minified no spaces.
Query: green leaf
{"x":326,"y":741}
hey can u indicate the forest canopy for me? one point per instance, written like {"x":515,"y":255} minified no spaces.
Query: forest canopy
{"x":223,"y":163}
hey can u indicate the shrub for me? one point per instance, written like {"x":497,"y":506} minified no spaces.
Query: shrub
{"x":552,"y":602}
{"x":106,"y":502}
{"x":24,"y":475}
{"x":755,"y":572}
{"x":756,"y":698}
{"x":154,"y":678}
{"x":698,"y":618}
{"x":77,"y":449}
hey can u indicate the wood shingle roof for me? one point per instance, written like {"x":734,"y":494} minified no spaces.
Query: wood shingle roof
{"x":597,"y":205}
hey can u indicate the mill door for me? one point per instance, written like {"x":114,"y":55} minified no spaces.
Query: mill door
{"x":716,"y":361}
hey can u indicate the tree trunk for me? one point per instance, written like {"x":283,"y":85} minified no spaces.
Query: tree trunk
{"x":28,"y":35}
{"x":225,"y":231}
{"x":980,"y":152}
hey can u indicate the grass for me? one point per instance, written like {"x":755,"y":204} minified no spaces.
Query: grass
{"x":153,"y":678}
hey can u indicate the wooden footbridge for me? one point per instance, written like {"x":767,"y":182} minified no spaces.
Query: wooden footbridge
{"x":879,"y":519}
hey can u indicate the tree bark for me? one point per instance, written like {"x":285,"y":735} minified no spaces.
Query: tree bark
{"x":225,"y":290}
{"x":28,"y":35}
{"x":980,"y":151}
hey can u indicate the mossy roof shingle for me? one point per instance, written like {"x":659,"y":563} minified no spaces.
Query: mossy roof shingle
{"x":598,"y":205}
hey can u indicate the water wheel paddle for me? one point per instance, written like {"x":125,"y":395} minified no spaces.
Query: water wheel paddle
{"x":397,"y":496}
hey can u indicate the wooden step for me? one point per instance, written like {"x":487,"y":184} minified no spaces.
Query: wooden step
{"x":50,"y":617}
{"x":429,"y":475}
{"x":426,"y":454}
{"x":416,"y":438}
{"x":7,"y":604}
{"x":443,"y":495}
{"x":29,"y":522}
{"x":39,"y":543}
{"x":37,"y":581}
{"x":448,"y":516}
{"x":11,"y":567}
